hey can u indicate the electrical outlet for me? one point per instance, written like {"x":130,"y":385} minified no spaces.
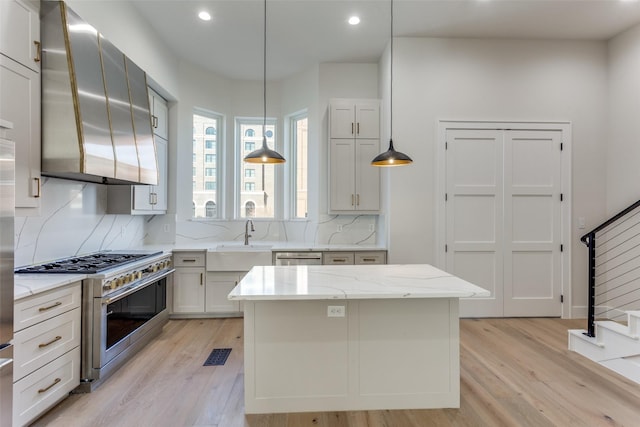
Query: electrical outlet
{"x":336,"y":311}
{"x":339,"y":228}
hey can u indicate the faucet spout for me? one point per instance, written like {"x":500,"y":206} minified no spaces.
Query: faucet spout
{"x":246,"y":231}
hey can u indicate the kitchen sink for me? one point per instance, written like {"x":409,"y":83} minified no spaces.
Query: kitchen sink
{"x":238,"y":257}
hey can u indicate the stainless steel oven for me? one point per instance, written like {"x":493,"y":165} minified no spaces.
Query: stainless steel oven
{"x":123,"y":311}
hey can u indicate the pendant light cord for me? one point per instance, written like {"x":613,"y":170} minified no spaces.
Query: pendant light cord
{"x":264,"y":76}
{"x":391,"y":86}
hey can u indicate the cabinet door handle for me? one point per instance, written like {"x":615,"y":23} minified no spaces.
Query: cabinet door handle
{"x":201,"y":277}
{"x":358,"y":128}
{"x":357,"y":199}
{"x":368,"y":260}
{"x":352,"y":128}
{"x":189,"y":260}
{"x":37,"y":189}
{"x":155,"y":122}
{"x":352,"y":199}
{"x":58,"y":338}
{"x":339,"y":260}
{"x":38,"y":57}
{"x":41,"y":309}
{"x":56,"y":381}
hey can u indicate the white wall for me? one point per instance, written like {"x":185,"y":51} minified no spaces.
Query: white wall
{"x":623,"y":142}
{"x":493,"y":80}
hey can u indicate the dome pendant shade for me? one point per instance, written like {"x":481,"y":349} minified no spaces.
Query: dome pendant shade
{"x":264,"y":155}
{"x":391,"y":157}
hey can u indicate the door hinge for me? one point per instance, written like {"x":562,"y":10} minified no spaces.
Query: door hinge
{"x":561,"y":146}
{"x":561,"y":298}
{"x":446,"y":145}
{"x":446,"y":196}
{"x":561,"y":248}
{"x":446,"y":248}
{"x":561,"y":197}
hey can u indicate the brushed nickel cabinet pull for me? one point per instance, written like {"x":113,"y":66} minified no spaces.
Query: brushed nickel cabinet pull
{"x":352,"y":200}
{"x":41,"y":309}
{"x":339,"y":260}
{"x":58,"y":338}
{"x":56,"y":381}
{"x":38,"y":51}
{"x":38,"y":187}
{"x":358,"y":128}
{"x":189,"y":260}
{"x":368,"y":260}
{"x":201,"y":277}
{"x":357,"y":200}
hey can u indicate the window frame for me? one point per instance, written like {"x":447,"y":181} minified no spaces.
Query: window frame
{"x":217,"y":139}
{"x":292,"y":179}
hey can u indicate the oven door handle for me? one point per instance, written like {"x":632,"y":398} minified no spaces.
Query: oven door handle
{"x":127,"y":292}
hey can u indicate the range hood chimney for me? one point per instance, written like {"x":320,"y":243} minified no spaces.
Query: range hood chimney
{"x":96,"y":123}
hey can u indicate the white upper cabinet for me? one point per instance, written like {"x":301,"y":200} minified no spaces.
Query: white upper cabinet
{"x":354,"y":129}
{"x":355,"y":118}
{"x":20,"y":32}
{"x":20,"y":96}
{"x":159,"y":115}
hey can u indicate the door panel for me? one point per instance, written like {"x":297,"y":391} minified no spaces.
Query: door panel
{"x":474,"y":215}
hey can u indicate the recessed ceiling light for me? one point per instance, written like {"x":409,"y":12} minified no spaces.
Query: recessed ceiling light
{"x":204,"y":15}
{"x":354,"y":20}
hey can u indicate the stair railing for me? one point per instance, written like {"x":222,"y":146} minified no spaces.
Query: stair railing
{"x":614,"y":266}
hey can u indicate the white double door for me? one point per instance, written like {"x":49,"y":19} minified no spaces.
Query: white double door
{"x":503,"y":219}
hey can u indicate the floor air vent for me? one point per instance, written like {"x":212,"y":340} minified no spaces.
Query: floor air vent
{"x":217,"y":357}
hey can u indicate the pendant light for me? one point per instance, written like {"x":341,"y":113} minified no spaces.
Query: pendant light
{"x":391,"y":157}
{"x":264,"y":155}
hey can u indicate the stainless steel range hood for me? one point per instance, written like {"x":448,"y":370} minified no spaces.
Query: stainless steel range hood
{"x":96,"y":123}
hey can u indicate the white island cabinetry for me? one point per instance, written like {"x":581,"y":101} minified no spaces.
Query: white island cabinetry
{"x":356,"y":337}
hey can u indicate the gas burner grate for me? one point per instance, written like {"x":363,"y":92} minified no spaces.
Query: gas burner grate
{"x":87,"y":264}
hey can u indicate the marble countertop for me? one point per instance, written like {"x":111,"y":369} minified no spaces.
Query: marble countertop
{"x":25,"y":285}
{"x":352,"y":282}
{"x":268,"y":245}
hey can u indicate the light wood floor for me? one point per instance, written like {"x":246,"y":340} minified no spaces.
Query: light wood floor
{"x":514,"y":372}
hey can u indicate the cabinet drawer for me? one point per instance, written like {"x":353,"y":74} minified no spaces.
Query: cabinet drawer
{"x":337,"y":258}
{"x":38,"y":345}
{"x":32,"y":310}
{"x":37,"y":392}
{"x":189,"y":259}
{"x":377,"y":257}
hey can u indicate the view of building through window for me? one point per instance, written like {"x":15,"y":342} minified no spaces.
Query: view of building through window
{"x":257,"y":186}
{"x":300,"y":143}
{"x":205,"y":196}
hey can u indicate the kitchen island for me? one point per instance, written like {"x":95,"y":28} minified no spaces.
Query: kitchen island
{"x":357,"y":337}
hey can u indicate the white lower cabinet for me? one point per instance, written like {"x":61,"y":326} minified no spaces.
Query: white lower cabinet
{"x":46,"y":351}
{"x":188,"y":282}
{"x":219,"y":284}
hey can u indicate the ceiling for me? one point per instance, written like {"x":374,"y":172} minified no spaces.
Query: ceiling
{"x":301,"y":33}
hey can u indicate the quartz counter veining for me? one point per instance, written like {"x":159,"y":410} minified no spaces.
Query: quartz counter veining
{"x":31,"y":284}
{"x":352,"y":282}
{"x":351,"y":337}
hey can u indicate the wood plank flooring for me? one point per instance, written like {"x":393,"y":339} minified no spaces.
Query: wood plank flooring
{"x":513,"y":372}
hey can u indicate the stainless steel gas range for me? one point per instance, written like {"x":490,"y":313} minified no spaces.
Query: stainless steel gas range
{"x":124,"y":306}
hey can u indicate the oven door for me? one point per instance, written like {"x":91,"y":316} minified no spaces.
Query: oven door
{"x":122,"y":319}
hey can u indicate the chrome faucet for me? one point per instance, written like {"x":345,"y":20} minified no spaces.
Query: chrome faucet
{"x":246,"y":231}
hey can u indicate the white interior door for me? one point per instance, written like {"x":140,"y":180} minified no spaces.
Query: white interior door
{"x":503,"y":219}
{"x":474,"y":249}
{"x":532,"y":238}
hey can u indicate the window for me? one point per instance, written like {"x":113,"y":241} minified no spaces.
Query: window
{"x":210,"y":209}
{"x":205,"y":136}
{"x":254,"y":178}
{"x":249,"y":209}
{"x":299,"y":144}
